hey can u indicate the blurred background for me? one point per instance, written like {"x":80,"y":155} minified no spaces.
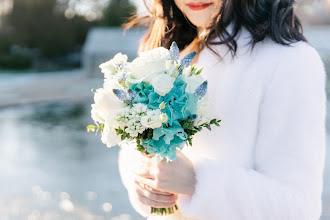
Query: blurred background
{"x":50,"y":50}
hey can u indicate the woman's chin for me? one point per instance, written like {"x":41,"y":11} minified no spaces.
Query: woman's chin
{"x":200,"y":18}
{"x":199,"y":22}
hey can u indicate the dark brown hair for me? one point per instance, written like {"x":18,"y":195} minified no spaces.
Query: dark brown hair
{"x":262,"y":18}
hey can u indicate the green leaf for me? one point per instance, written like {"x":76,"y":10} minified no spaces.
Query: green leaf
{"x":192,"y":71}
{"x":189,"y":141}
{"x":199,"y":71}
{"x":128,"y":102}
{"x":199,"y":128}
{"x":213,"y":121}
{"x":119,"y":131}
{"x":90,"y":128}
{"x":140,"y":148}
{"x":194,"y":132}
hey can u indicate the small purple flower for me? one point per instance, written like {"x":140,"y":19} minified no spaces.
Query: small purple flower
{"x":174,"y":51}
{"x":186,"y":61}
{"x":201,"y":90}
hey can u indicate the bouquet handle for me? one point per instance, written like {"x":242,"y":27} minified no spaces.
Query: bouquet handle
{"x":162,"y":211}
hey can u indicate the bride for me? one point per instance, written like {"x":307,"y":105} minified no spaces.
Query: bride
{"x":267,"y":85}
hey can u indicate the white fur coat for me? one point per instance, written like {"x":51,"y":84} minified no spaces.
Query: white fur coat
{"x":266,"y":160}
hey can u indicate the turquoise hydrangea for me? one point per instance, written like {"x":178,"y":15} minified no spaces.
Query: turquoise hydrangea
{"x":179,"y":106}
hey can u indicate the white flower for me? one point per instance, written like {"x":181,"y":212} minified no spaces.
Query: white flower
{"x":111,"y":83}
{"x":130,"y":119}
{"x":163,"y":118}
{"x":203,"y":113}
{"x":109,"y":136}
{"x":114,"y":65}
{"x":152,"y":119}
{"x":105,"y":103}
{"x":112,"y":119}
{"x":192,"y":81}
{"x":150,"y":64}
{"x":173,"y":70}
{"x":162,"y":84}
{"x":95,"y":115}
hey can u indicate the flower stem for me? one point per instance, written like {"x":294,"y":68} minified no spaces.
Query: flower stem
{"x":162,"y":211}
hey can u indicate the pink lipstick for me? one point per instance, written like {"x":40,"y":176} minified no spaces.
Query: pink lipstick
{"x":196,"y":6}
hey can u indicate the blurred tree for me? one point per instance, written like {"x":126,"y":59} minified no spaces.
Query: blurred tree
{"x":37,"y":24}
{"x":117,"y":12}
{"x":5,"y":42}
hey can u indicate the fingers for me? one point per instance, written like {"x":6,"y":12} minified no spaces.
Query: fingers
{"x":154,"y":204}
{"x":144,"y":172}
{"x":155,"y":200}
{"x":146,"y":187}
{"x":144,"y":168}
{"x":156,"y":197}
{"x":146,"y":155}
{"x":151,"y":183}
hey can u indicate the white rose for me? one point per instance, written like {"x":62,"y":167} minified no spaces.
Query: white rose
{"x":150,"y":64}
{"x":203,"y":113}
{"x":112,"y":119}
{"x":109,"y":136}
{"x":186,"y":71}
{"x":192,"y":81}
{"x":110,"y":84}
{"x":95,"y":116}
{"x":111,"y":67}
{"x":152,"y":119}
{"x":162,"y":84}
{"x":105,"y":103}
{"x":173,"y":70}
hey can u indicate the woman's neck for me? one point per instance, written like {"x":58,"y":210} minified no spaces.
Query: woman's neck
{"x":190,"y":48}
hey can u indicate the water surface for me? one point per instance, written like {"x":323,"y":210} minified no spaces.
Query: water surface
{"x":51,"y":168}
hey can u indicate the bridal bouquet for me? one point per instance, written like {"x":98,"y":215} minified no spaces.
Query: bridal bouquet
{"x":157,"y":102}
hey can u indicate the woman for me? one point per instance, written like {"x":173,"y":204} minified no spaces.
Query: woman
{"x":267,"y":85}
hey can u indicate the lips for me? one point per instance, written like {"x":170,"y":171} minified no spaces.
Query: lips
{"x":196,"y":6}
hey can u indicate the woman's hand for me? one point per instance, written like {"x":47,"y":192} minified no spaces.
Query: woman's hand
{"x":154,"y":198}
{"x":145,"y":194}
{"x":160,"y":182}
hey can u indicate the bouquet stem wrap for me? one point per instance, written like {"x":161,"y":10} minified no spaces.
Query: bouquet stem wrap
{"x":164,"y":211}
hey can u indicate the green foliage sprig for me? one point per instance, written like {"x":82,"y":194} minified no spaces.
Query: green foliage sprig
{"x":195,"y":71}
{"x":123,"y":134}
{"x":95,"y":128}
{"x":146,"y":134}
{"x":190,"y":129}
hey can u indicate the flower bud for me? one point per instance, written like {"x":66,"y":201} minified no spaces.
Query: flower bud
{"x":117,"y":117}
{"x":162,"y":105}
{"x":163,"y":118}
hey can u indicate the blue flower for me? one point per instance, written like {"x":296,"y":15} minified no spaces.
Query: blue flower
{"x":142,"y":91}
{"x":165,"y":141}
{"x":179,"y":106}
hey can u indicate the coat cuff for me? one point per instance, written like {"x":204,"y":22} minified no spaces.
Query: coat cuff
{"x":192,"y":205}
